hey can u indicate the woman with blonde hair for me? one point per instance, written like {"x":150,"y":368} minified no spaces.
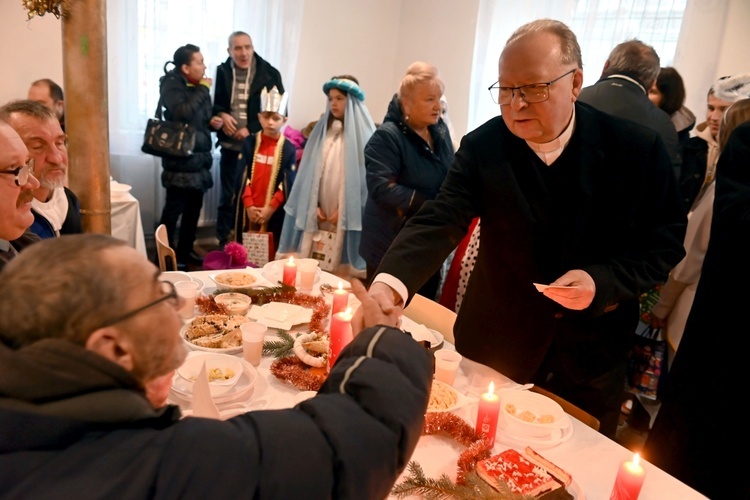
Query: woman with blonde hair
{"x":407,"y":160}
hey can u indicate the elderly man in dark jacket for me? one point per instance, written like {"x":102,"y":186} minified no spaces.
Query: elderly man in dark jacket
{"x":78,"y":355}
{"x":239,"y":82}
{"x":567,"y":195}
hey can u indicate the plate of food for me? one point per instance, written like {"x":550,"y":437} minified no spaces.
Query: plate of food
{"x":214,"y":333}
{"x":274,"y":271}
{"x":443,"y":398}
{"x":238,"y":279}
{"x":249,"y":376}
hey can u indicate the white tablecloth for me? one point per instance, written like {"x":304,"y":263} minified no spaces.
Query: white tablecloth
{"x":126,"y":221}
{"x":591,"y":458}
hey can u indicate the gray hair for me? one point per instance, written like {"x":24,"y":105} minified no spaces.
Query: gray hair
{"x":636,"y":60}
{"x":27,"y":108}
{"x":569,"y":48}
{"x":235,"y":34}
{"x":58,"y":288}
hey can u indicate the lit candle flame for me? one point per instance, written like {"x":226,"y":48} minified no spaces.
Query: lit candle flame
{"x":491,"y":389}
{"x":636,"y":459}
{"x":341,"y":286}
{"x":291,"y":260}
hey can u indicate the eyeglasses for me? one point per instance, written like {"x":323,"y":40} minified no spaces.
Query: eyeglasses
{"x":531,"y":93}
{"x":21,"y":173}
{"x":170,"y":293}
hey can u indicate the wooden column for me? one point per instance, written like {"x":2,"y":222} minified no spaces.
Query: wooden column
{"x":84,"y":33}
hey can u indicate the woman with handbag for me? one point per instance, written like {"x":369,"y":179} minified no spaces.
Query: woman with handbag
{"x":324,"y":211}
{"x":184,"y":93}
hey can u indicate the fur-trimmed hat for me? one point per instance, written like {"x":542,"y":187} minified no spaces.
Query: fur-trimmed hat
{"x":733,"y":88}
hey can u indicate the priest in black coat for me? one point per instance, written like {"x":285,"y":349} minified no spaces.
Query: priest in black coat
{"x":567,"y":195}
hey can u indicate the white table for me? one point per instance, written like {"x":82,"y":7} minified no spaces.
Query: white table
{"x":590,"y":457}
{"x":126,"y":221}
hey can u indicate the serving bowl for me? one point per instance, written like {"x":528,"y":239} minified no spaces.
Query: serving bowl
{"x":234,"y":280}
{"x":175,"y":276}
{"x":236,"y":303}
{"x":223,"y":371}
{"x":530,"y":414}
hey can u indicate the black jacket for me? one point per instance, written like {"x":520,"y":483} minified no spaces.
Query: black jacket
{"x":265,"y":76}
{"x":693,"y":172}
{"x":188,"y":103}
{"x":92,"y":432}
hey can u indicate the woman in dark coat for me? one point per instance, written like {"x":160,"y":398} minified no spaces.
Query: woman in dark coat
{"x":406,"y":160}
{"x":185,"y":96}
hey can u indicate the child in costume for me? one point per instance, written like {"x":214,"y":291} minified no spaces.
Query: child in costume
{"x":268,"y":163}
{"x":331,"y":194}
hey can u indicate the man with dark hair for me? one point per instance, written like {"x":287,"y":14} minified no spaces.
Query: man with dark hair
{"x":56,"y":208}
{"x":630,"y":70}
{"x":80,"y":346}
{"x":239,"y":82}
{"x":47,"y":92}
{"x":17,"y":186}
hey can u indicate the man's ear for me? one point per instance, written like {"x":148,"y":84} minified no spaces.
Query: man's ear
{"x":112,"y":344}
{"x":59,"y":108}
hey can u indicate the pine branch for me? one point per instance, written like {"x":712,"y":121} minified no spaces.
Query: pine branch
{"x":279,"y":348}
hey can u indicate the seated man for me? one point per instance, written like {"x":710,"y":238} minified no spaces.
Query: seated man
{"x":76,"y":354}
{"x":16,"y":192}
{"x":56,"y":208}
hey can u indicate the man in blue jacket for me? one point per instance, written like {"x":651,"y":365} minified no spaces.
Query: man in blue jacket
{"x":80,"y":347}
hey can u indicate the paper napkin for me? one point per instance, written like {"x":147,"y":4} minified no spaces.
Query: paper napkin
{"x":280,"y":315}
{"x":203,"y":403}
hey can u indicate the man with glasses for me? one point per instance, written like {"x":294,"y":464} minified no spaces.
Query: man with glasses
{"x":79,"y":351}
{"x":630,"y":70}
{"x":55,"y":207}
{"x":567,"y":196}
{"x":16,"y":192}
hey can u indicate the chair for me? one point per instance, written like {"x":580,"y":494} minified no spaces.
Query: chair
{"x":167,"y":257}
{"x":432,"y":315}
{"x":569,"y":408}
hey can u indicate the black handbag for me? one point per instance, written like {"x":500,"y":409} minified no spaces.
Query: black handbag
{"x":168,"y":139}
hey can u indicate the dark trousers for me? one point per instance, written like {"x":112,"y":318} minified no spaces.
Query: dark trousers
{"x":229,"y":174}
{"x":186,"y":203}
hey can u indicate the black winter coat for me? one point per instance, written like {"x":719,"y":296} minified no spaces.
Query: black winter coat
{"x":402,"y":173}
{"x":694,"y":159}
{"x":188,"y":103}
{"x":265,"y":76}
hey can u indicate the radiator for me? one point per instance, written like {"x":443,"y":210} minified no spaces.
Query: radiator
{"x":211,"y":198}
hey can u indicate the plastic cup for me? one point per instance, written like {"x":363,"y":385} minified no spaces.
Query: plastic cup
{"x":446,"y":365}
{"x":307,"y":270}
{"x":253,"y":335}
{"x":187,"y":290}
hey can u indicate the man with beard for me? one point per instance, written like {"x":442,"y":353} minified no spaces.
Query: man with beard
{"x":16,"y":192}
{"x":55,"y":207}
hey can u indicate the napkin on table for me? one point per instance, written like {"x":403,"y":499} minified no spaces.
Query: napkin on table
{"x":280,"y":315}
{"x":203,"y":402}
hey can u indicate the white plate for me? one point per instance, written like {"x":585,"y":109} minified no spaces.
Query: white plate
{"x":411,"y":326}
{"x":259,"y":282}
{"x":274,"y":271}
{"x":193,"y":347}
{"x":556,"y":437}
{"x":247,"y":380}
{"x":461,"y":400}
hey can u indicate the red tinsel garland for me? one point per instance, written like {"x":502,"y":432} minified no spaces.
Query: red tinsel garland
{"x":292,"y":370}
{"x":462,"y":432}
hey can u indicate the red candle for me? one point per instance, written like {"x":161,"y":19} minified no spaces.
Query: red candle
{"x":340,"y":335}
{"x":340,"y":299}
{"x":489,"y":409}
{"x":629,"y":480}
{"x":290,"y":272}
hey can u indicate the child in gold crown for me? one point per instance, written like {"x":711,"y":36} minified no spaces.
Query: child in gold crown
{"x":268,"y":167}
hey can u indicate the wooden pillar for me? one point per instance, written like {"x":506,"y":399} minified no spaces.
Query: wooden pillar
{"x":84,"y":33}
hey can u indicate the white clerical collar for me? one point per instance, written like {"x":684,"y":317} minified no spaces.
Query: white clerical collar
{"x":4,"y":245}
{"x":551,"y":151}
{"x":630,"y":80}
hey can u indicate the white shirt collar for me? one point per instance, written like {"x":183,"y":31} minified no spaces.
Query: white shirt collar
{"x":551,"y":151}
{"x":630,"y":80}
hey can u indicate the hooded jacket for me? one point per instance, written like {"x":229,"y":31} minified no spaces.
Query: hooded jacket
{"x":74,"y":422}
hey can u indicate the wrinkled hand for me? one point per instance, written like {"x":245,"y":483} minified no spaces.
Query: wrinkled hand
{"x":230,"y":124}
{"x":578,"y":297}
{"x":376,"y":307}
